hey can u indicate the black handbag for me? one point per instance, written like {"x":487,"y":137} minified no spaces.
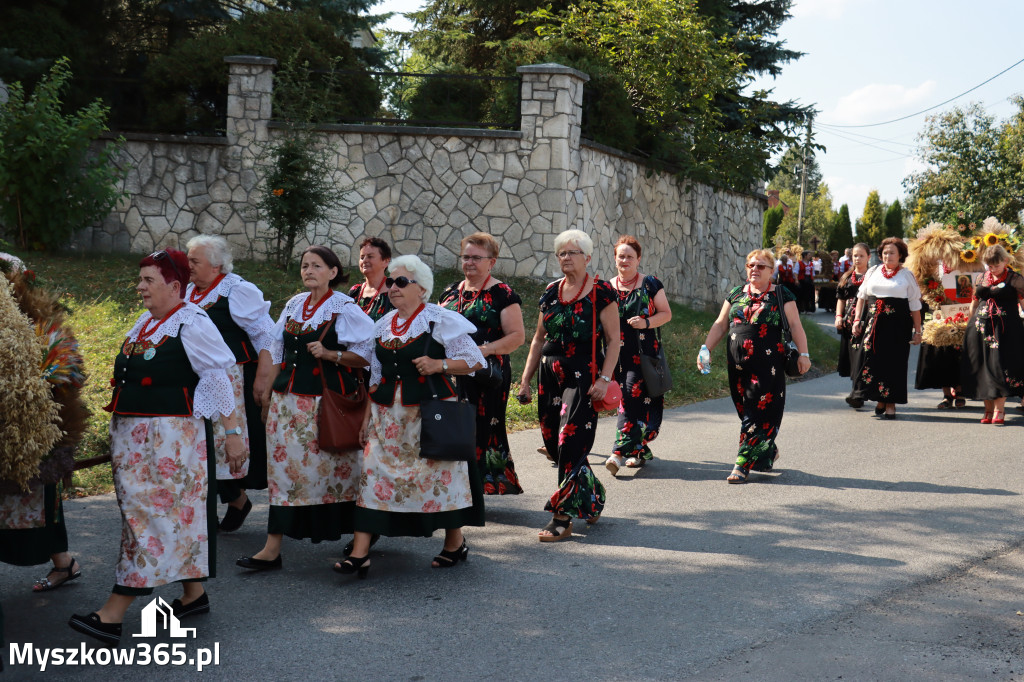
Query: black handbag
{"x":790,"y":350}
{"x":657,"y":376}
{"x":448,"y":428}
{"x":490,"y":376}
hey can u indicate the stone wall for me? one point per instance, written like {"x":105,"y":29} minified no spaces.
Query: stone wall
{"x":424,"y":189}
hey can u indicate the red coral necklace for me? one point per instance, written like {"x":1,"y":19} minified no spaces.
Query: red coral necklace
{"x":400,"y":329}
{"x":887,"y":274}
{"x":196,"y":296}
{"x":146,"y":332}
{"x":369,"y":306}
{"x":575,"y":298}
{"x":462,"y":289}
{"x":307,"y":311}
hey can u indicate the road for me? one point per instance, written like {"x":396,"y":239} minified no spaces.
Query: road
{"x":879,"y":551}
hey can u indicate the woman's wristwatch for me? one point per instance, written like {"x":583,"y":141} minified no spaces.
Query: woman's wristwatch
{"x":607,"y":379}
{"x":444,"y":366}
{"x":806,"y":355}
{"x":237,"y":431}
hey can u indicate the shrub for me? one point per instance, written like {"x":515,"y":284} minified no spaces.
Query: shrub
{"x":51,"y":183}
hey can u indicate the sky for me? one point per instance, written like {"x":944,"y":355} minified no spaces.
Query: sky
{"x":870,"y":61}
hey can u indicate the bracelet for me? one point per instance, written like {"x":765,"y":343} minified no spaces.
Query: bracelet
{"x":648,"y":321}
{"x":339,"y":356}
{"x":806,"y":355}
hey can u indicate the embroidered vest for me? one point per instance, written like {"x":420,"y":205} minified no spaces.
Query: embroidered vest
{"x":162,"y":386}
{"x":300,"y":372}
{"x":396,"y":368}
{"x":234,"y":336}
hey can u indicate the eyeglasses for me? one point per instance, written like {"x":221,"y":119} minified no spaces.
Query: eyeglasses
{"x":759,"y":266}
{"x":158,"y":256}
{"x":400,"y":282}
{"x":569,"y":254}
{"x":474,"y":259}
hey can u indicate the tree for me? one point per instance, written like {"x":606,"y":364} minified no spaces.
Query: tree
{"x":788,"y":174}
{"x":973,"y":165}
{"x":819,"y":216}
{"x":51,"y":183}
{"x":920,"y":217}
{"x":772,"y":219}
{"x":870,"y":226}
{"x":841,"y":237}
{"x":893,"y":221}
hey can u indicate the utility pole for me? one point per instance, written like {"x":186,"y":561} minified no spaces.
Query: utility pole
{"x":803,"y":185}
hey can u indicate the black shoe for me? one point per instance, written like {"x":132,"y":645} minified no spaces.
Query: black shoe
{"x":888,"y":415}
{"x":254,"y":564}
{"x":354,"y":565}
{"x":449,"y":557}
{"x":879,"y":411}
{"x":233,"y":517}
{"x":201,"y":605}
{"x":347,"y":550}
{"x":855,"y":403}
{"x":108,"y":633}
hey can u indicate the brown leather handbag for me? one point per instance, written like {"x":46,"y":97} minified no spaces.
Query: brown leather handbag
{"x":340,"y":416}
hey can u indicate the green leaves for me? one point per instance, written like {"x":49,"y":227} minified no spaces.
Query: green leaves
{"x":53,"y":182}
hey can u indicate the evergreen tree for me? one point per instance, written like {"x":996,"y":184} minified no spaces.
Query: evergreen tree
{"x":871,"y":225}
{"x":894,"y":220}
{"x":788,"y":171}
{"x":772,"y":219}
{"x":841,"y":237}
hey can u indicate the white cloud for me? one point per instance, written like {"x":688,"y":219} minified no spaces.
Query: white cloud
{"x":827,"y":9}
{"x":852,"y":194}
{"x":877,"y":101}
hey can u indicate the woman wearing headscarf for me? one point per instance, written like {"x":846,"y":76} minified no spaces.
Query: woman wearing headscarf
{"x":170,"y":376}
{"x":241,"y":315}
{"x":322,"y":337}
{"x":576,"y":348}
{"x":418,"y":346}
{"x":496,"y":312}
{"x":643,"y":306}
{"x":751,"y":317}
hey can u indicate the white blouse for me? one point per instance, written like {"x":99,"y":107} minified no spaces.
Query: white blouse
{"x":209,"y":356}
{"x":902,"y":285}
{"x":353,"y":327}
{"x":248,"y":308}
{"x":451,"y":330}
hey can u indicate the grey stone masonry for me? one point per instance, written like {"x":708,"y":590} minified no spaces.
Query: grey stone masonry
{"x":424,"y":189}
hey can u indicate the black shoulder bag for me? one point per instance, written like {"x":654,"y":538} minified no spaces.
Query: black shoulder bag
{"x":448,"y":427}
{"x":655,"y":370}
{"x":790,"y":350}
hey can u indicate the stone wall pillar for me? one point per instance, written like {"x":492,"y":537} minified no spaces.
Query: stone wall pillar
{"x":250,"y":107}
{"x":552,"y":112}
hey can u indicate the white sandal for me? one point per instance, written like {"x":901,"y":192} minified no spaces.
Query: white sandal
{"x":614,"y":463}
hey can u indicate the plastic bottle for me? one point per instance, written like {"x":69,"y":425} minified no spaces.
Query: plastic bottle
{"x":705,"y":360}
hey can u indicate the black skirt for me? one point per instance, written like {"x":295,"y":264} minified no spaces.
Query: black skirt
{"x":885,"y":351}
{"x":937,"y":367}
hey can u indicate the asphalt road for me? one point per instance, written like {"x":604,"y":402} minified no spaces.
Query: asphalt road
{"x":878,"y":551}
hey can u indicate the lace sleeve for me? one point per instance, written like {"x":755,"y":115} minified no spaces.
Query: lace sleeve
{"x":378,"y":330}
{"x":277,"y":334}
{"x":354,"y":329}
{"x":251,"y":312}
{"x":453,"y":332}
{"x":210,"y":357}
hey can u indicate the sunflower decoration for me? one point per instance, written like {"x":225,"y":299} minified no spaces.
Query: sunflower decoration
{"x":990,"y":239}
{"x":969,"y":255}
{"x":975,"y":242}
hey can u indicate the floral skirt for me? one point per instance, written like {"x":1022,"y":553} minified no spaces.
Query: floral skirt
{"x":885,"y":351}
{"x":312,"y":492}
{"x":403,"y":494}
{"x":32,"y":526}
{"x":494,"y":455}
{"x":639,"y":416}
{"x":568,"y":423}
{"x":223,"y":469}
{"x":162,"y":480}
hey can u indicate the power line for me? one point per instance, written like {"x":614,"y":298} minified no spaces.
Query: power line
{"x":868,"y":144}
{"x":923,"y":111}
{"x":891,"y":140}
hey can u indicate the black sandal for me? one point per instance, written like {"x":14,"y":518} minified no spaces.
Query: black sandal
{"x":960,"y":403}
{"x":353,"y":565}
{"x":44,"y":584}
{"x":560,"y":529}
{"x":945,"y":404}
{"x":347,"y":549}
{"x":449,"y":557}
{"x":738,"y":475}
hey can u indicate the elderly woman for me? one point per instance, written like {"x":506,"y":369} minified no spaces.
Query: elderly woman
{"x":846,"y":306}
{"x":241,"y":315}
{"x":752,"y":318}
{"x":575,"y":313}
{"x":496,"y":312}
{"x":402,"y":494}
{"x":992,"y":365}
{"x":374,"y":257}
{"x":643,"y":306}
{"x":170,"y":375}
{"x":321,"y":337}
{"x":888,"y":306}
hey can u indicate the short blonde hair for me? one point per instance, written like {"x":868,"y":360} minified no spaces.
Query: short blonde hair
{"x":419,"y":271}
{"x":484,"y":241}
{"x":761,"y":254}
{"x":578,"y":237}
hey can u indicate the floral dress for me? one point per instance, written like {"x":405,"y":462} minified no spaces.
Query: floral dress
{"x":639,"y":414}
{"x":992,"y":362}
{"x":757,"y":377}
{"x":493,"y":453}
{"x":567,"y":417}
{"x":847,"y":291}
{"x":400,"y":493}
{"x":376,"y":306}
{"x":887,"y":328}
{"x":312,"y":492}
{"x":167,"y":379}
{"x":241,"y":315}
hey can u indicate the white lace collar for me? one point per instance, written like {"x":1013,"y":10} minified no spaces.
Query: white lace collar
{"x":448,"y":324}
{"x":169,"y":326}
{"x":332,"y":306}
{"x":223,"y":288}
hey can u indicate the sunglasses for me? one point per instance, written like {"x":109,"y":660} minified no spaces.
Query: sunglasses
{"x":158,"y":256}
{"x":759,"y":266}
{"x":400,"y":282}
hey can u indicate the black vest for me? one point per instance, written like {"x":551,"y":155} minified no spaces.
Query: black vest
{"x":234,"y":336}
{"x":396,"y":368}
{"x":300,"y":372}
{"x":162,"y":386}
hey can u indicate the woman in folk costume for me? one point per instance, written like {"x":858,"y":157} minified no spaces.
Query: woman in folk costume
{"x":241,"y":315}
{"x":170,"y":376}
{"x":321,"y":337}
